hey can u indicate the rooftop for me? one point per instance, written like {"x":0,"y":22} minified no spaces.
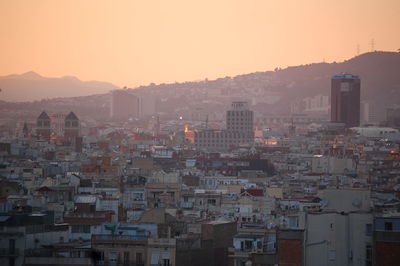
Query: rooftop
{"x":345,"y":76}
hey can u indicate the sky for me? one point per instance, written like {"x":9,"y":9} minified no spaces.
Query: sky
{"x":137,"y":42}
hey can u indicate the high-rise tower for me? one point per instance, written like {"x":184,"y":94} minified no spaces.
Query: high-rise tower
{"x":239,"y":130}
{"x":239,"y":118}
{"x":345,"y":100}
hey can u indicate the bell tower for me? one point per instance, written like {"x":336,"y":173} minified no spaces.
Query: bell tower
{"x":43,"y":127}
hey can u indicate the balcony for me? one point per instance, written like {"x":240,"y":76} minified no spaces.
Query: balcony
{"x":10,"y":231}
{"x":186,"y":204}
{"x":7,"y":252}
{"x":58,"y":261}
{"x":39,"y":252}
{"x":244,"y":252}
{"x":119,"y":239}
{"x":117,"y":263}
{"x":162,"y":242}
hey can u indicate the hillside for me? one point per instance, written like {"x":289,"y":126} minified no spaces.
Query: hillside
{"x":268,"y":92}
{"x":31,"y":86}
{"x":273,"y":91}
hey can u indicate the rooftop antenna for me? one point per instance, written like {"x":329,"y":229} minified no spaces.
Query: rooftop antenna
{"x":207,"y":121}
{"x":158,"y":126}
{"x":358,"y":49}
{"x":372,"y":43}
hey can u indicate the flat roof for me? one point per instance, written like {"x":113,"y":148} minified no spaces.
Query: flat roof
{"x":345,"y":76}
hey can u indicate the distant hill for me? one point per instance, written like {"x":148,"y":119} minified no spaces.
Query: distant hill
{"x":268,"y":92}
{"x":31,"y":86}
{"x":274,"y":91}
{"x":379,"y":72}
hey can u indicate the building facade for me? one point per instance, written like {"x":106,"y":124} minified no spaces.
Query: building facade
{"x":43,"y":126}
{"x":71,"y":126}
{"x":345,"y":100}
{"x":239,"y":130}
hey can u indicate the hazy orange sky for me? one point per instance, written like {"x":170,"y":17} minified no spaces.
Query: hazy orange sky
{"x":136,"y":42}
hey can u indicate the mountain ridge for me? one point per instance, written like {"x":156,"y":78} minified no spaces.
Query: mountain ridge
{"x":267,"y":91}
{"x":30,"y":86}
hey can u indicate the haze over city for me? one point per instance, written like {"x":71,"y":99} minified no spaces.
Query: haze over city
{"x":193,"y":133}
{"x":132,"y":43}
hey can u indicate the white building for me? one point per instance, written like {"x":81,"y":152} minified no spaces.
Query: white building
{"x":332,"y":165}
{"x":239,"y":123}
{"x":341,"y":233}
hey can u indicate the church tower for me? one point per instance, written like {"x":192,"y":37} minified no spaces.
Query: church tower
{"x":71,"y":126}
{"x":43,"y":127}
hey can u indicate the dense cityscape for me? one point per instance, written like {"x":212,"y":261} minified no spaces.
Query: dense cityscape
{"x":244,"y":190}
{"x":199,"y":133}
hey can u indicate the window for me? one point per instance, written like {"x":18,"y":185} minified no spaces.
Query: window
{"x":80,"y":229}
{"x":332,"y":254}
{"x":11,"y":246}
{"x":211,"y":202}
{"x":388,"y":226}
{"x":368,"y":229}
{"x":113,"y":257}
{"x":293,"y":222}
{"x":368,"y":255}
{"x":86,"y":228}
{"x":138,"y":258}
{"x":75,"y":229}
{"x":248,"y":244}
{"x":126,"y":257}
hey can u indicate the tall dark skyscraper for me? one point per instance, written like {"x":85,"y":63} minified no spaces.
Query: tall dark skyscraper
{"x":345,"y":100}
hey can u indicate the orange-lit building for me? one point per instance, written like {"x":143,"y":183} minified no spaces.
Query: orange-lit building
{"x":189,"y":134}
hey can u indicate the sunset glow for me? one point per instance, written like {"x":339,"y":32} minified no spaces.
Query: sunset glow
{"x":131,"y":43}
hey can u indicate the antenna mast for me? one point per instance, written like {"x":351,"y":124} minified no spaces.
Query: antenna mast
{"x":372,"y":43}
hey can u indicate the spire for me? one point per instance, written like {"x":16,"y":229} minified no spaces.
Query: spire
{"x":71,"y":116}
{"x":43,"y":116}
{"x":25,"y":130}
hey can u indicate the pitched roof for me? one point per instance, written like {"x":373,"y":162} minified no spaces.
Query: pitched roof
{"x":71,"y":116}
{"x":44,"y":116}
{"x":255,"y":192}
